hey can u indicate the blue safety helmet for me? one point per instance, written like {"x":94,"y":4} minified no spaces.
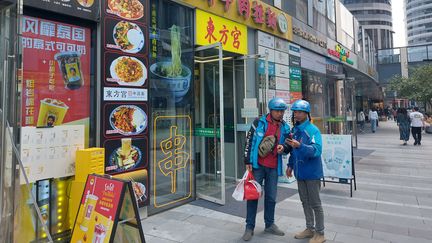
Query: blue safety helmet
{"x":277,"y":104}
{"x":301,"y":105}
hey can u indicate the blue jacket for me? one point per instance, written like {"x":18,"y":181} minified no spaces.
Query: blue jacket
{"x":254,"y":138}
{"x":306,"y":159}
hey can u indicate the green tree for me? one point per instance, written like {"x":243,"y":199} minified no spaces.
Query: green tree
{"x":418,"y":86}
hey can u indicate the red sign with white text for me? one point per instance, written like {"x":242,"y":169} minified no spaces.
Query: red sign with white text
{"x":56,"y":73}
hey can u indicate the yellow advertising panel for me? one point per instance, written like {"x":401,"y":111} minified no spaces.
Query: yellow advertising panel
{"x":253,"y":13}
{"x":211,"y":29}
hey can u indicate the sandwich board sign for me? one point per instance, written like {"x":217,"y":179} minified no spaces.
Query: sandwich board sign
{"x":108,"y":212}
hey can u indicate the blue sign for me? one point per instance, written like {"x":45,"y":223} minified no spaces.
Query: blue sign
{"x":271,"y":68}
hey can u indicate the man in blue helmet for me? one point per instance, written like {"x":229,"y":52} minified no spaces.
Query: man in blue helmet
{"x":305,"y":160}
{"x":263,"y":157}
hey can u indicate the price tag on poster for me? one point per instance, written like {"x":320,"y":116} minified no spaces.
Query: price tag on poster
{"x":107,"y":212}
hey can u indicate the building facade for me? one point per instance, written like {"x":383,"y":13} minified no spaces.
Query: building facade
{"x":400,"y":61}
{"x":375,"y":17}
{"x":169,"y":97}
{"x":418,"y":15}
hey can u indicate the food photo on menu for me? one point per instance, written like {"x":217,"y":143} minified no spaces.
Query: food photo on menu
{"x":125,"y":157}
{"x":127,"y":9}
{"x":128,"y":37}
{"x":127,"y":120}
{"x":139,"y":180}
{"x":86,"y":3}
{"x":128,"y":71}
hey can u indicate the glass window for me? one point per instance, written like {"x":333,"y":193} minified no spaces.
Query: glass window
{"x":171,"y":101}
{"x":429,"y":49}
{"x":417,"y":54}
{"x":389,"y":56}
{"x":302,"y":10}
{"x":331,"y":10}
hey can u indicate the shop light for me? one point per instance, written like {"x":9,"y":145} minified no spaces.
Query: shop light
{"x":59,"y":217}
{"x":60,"y":199}
{"x":44,"y":235}
{"x":59,"y":231}
{"x":59,"y":211}
{"x":59,"y":224}
{"x":59,"y":204}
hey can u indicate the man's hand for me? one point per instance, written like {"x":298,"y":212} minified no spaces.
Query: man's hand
{"x":249,"y":167}
{"x":289,"y":172}
{"x":280,"y":148}
{"x":293,"y":143}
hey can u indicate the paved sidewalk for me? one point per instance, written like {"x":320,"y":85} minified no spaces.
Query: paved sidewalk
{"x":393,"y":202}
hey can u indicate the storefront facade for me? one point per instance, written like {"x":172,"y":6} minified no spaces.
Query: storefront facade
{"x":169,"y":97}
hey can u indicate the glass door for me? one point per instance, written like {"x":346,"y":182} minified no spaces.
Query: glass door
{"x":8,"y":101}
{"x":209,"y":119}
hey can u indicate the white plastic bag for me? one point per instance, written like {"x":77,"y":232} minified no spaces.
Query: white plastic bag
{"x":238,"y":193}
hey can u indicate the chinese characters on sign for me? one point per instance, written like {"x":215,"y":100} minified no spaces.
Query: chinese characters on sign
{"x":212,"y":29}
{"x":253,"y":13}
{"x":341,"y":53}
{"x":56,"y":73}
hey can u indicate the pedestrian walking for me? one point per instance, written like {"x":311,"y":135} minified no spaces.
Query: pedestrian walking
{"x":305,"y":161}
{"x":404,"y":122}
{"x":417,"y":123}
{"x":361,"y":118}
{"x":373,"y":117}
{"x":263,"y":157}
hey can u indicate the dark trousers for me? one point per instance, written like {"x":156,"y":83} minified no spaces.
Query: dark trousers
{"x":416,"y":133}
{"x":270,"y":178}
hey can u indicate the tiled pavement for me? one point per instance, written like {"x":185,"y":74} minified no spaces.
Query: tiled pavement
{"x":393,"y":202}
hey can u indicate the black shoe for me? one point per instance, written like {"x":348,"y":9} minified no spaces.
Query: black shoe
{"x":418,"y":143}
{"x":415,"y":143}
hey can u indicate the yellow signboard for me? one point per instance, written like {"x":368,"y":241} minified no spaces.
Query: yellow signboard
{"x":253,"y":13}
{"x":211,"y":29}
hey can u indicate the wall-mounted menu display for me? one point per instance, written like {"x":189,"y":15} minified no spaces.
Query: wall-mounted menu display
{"x":50,"y":152}
{"x":125,"y":111}
{"x":86,"y":9}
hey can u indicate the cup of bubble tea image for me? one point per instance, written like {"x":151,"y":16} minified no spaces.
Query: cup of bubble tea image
{"x":99,"y":233}
{"x":70,"y":66}
{"x":51,"y":112}
{"x":89,"y":205}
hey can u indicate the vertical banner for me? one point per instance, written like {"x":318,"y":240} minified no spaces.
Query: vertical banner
{"x":56,"y":73}
{"x":124,"y":105}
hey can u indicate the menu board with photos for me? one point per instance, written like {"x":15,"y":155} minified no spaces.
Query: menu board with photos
{"x":86,"y":9}
{"x":125,"y":83}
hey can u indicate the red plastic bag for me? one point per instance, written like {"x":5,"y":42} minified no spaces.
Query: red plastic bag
{"x":252,"y":189}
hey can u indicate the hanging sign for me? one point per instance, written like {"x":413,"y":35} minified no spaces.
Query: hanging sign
{"x":107,"y":213}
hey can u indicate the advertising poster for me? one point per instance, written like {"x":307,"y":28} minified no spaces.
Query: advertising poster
{"x":98,"y":210}
{"x":295,"y":85}
{"x":86,"y":9}
{"x":56,"y":79}
{"x":125,"y":83}
{"x":337,"y":156}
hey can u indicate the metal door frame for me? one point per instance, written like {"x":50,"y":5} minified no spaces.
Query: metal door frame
{"x":221,"y":123}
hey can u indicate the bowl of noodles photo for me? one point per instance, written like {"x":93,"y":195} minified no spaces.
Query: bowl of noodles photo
{"x":128,"y":37}
{"x":128,"y":120}
{"x":125,"y":160}
{"x":172,"y":76}
{"x":127,"y":9}
{"x":128,"y":71}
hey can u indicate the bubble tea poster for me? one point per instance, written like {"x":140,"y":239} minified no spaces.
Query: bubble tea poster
{"x":56,"y":73}
{"x":98,"y":210}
